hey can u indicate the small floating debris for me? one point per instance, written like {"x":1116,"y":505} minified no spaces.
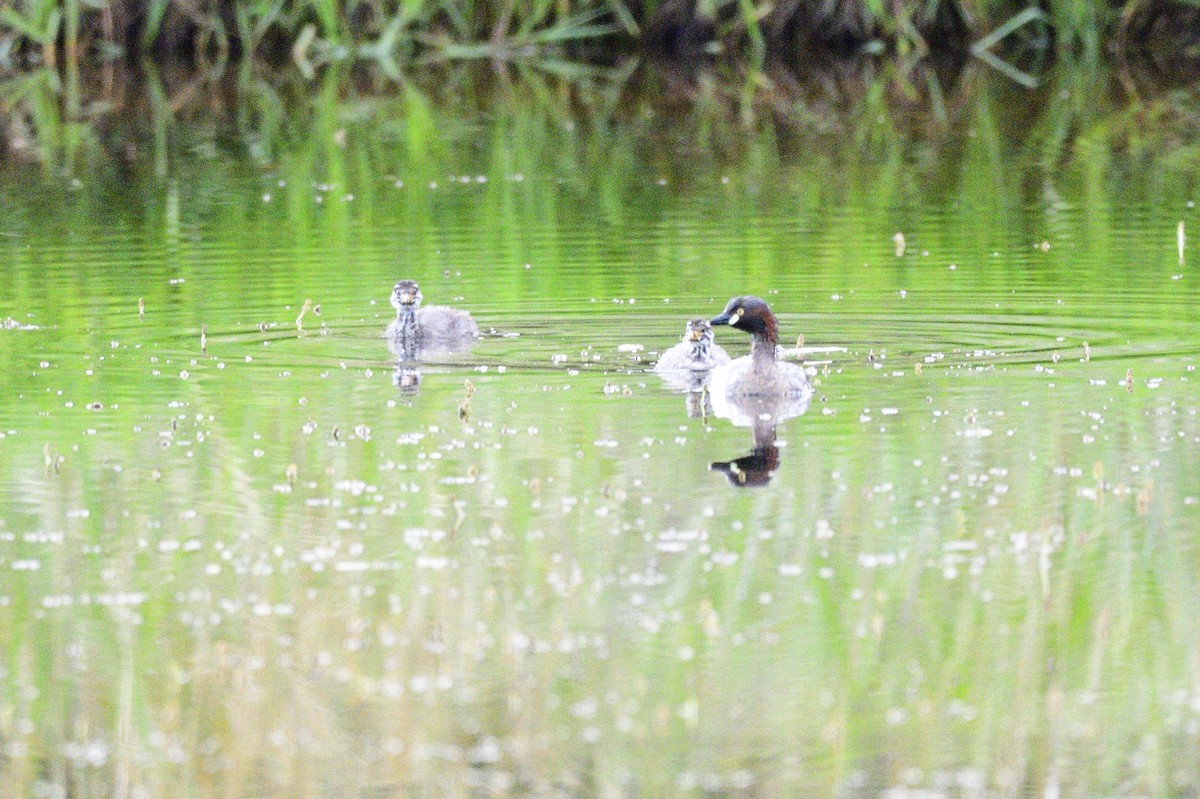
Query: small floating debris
{"x":1144,"y":496}
{"x":303,"y":311}
{"x":612,"y":388}
{"x":53,"y":461}
{"x":464,"y":410}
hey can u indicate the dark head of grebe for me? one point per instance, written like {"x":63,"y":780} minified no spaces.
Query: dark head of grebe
{"x":752,"y":315}
{"x":406,"y":296}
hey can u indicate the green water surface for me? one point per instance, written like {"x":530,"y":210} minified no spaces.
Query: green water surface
{"x":244,"y":562}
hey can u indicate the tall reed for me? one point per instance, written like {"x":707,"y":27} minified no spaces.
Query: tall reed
{"x":314,"y":32}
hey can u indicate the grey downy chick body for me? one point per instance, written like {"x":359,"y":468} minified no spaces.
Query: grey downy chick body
{"x":696,"y":352}
{"x":428,"y":329}
{"x":758,"y":374}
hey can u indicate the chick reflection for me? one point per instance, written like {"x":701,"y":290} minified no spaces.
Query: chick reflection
{"x":762,"y":415}
{"x":410,"y":353}
{"x":698,"y":404}
{"x":407,"y":377}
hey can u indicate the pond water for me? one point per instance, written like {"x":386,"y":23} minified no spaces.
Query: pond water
{"x":245,"y":553}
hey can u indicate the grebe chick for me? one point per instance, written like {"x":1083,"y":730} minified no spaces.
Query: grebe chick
{"x":758,"y":374}
{"x":431,"y":324}
{"x":696,"y":352}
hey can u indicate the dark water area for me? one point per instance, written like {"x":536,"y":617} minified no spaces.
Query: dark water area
{"x":246,"y":552}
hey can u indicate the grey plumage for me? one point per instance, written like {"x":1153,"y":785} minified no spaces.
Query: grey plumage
{"x":426,"y":330}
{"x":696,"y":352}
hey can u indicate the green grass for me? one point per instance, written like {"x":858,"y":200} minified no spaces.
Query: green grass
{"x":316,"y":32}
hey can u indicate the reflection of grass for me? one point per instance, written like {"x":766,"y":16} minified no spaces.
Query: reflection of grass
{"x":884,"y":107}
{"x":1006,"y":641}
{"x":602,"y":131}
